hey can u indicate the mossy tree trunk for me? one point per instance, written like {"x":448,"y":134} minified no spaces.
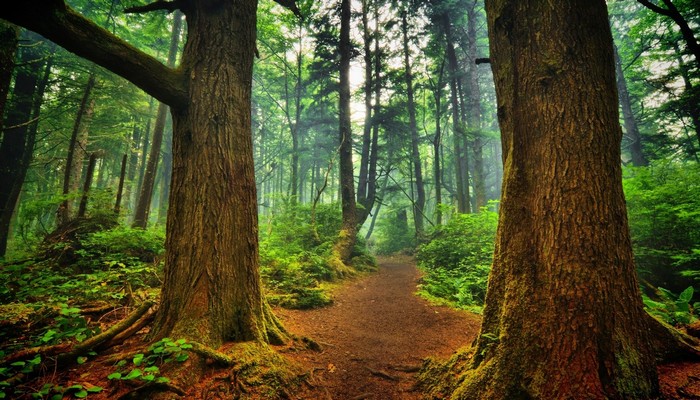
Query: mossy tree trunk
{"x":563,"y":316}
{"x":212,"y":288}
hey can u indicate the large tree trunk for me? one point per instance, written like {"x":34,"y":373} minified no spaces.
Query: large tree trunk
{"x":9,"y":37}
{"x":563,"y":317}
{"x":212,"y":288}
{"x":346,"y":241}
{"x":363,"y":197}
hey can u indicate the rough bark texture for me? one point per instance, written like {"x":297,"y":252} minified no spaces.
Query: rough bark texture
{"x":212,"y":288}
{"x":563,"y":316}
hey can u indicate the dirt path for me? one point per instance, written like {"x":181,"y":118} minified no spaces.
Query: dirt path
{"x":376,"y":330}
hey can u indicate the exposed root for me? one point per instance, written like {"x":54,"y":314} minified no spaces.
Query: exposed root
{"x":276,"y":334}
{"x":671,"y":344}
{"x":383,"y":374}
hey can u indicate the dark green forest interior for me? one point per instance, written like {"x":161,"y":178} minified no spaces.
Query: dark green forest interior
{"x":85,"y":196}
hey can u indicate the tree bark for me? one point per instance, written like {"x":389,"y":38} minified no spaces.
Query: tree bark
{"x":347,"y":237}
{"x":474,"y":109}
{"x":363,"y":179}
{"x":9,"y":38}
{"x":563,"y":315}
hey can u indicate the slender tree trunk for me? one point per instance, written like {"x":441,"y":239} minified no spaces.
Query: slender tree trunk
{"x":631,"y":128}
{"x":120,"y":190}
{"x":363,"y":179}
{"x":348,"y":233}
{"x":474,"y":109}
{"x":462,"y":179}
{"x":563,"y":317}
{"x":89,"y":174}
{"x":437,"y":143}
{"x":212,"y":288}
{"x":64,"y":210}
{"x":143,"y":207}
{"x":419,"y":203}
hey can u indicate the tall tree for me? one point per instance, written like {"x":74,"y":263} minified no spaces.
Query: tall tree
{"x":348,"y":232}
{"x":630,"y":123}
{"x":212,"y":289}
{"x":419,"y":202}
{"x":563,"y":292}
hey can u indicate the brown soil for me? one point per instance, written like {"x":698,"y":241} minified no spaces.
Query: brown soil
{"x":375,"y":336}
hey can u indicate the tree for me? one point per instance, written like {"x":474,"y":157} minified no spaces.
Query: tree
{"x":211,"y":291}
{"x":348,"y":232}
{"x":563,"y":315}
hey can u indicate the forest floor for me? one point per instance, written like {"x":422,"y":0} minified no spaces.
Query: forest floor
{"x":373,"y":340}
{"x":375,"y":336}
{"x":378,"y":332}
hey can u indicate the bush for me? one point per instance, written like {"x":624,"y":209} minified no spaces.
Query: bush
{"x":457,"y":259}
{"x":663,"y":204}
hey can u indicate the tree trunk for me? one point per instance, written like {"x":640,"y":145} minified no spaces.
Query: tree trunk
{"x":212,"y":288}
{"x":120,"y":189}
{"x":344,"y":246}
{"x":462,"y":186}
{"x":563,"y":317}
{"x":631,"y":128}
{"x":71,"y":169}
{"x":89,"y":173}
{"x":363,"y":179}
{"x":474,"y":109}
{"x":419,"y":203}
{"x":19,"y":135}
{"x":143,"y":207}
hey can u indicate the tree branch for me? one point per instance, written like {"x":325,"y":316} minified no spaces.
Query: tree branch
{"x":57,"y":22}
{"x":291,"y":5}
{"x":653,"y":7}
{"x":168,"y":6}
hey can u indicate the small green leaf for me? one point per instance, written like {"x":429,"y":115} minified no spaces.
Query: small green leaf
{"x":138,"y":359}
{"x":686,"y":295}
{"x":135,"y":373}
{"x":18,"y":364}
{"x":81,"y":360}
{"x":81,"y":394}
{"x":94,"y":389}
{"x":114,"y":375}
{"x":162,"y":379}
{"x":148,"y":378}
{"x":152,"y":368}
{"x":182,"y":357}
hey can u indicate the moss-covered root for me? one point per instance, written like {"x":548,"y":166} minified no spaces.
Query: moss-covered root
{"x":671,"y":344}
{"x":235,"y":371}
{"x":437,"y":379}
{"x":258,"y":372}
{"x":276,"y":334}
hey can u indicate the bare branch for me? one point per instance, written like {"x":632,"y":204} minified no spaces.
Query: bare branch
{"x":291,"y":5}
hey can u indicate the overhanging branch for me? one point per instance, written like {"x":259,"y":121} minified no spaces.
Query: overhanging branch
{"x":57,"y":22}
{"x":291,"y":5}
{"x":168,"y":6}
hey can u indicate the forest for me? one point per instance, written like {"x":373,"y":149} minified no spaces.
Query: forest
{"x":338,"y":199}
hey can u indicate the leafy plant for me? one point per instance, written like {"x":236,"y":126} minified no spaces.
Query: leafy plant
{"x":145,"y":366}
{"x":672,"y":309}
{"x":457,"y":259}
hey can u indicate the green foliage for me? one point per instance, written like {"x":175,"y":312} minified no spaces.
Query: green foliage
{"x":394,"y":234}
{"x":293,"y":261}
{"x":672,"y":309}
{"x":457,"y":259}
{"x":144,"y":367}
{"x":663,"y":203}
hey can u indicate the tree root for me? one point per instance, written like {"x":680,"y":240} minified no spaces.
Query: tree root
{"x":130,"y":331}
{"x":383,"y":374}
{"x":670,"y":344}
{"x":60,"y":350}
